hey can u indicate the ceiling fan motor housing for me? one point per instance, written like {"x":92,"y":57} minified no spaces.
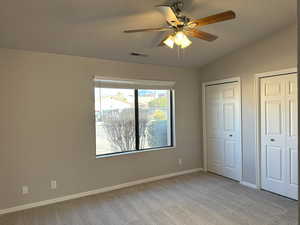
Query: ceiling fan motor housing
{"x":177,"y":7}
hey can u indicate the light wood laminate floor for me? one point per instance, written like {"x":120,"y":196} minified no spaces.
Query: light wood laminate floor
{"x":195,"y":199}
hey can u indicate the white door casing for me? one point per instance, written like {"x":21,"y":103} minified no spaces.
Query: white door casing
{"x":278,"y":119}
{"x":223,"y":129}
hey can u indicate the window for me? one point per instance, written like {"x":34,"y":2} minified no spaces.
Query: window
{"x":132,"y":119}
{"x":115,"y":120}
{"x":154,"y":118}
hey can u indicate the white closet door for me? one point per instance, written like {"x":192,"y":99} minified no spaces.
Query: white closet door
{"x":223,"y":129}
{"x":279,"y":167}
{"x":292,"y":136}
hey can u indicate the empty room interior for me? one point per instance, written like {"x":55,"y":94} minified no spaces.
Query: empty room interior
{"x":175,"y":112}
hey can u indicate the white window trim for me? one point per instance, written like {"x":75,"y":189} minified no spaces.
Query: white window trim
{"x":133,"y":83}
{"x":134,"y":152}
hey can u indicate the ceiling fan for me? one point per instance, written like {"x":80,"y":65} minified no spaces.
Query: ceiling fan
{"x":181,"y":26}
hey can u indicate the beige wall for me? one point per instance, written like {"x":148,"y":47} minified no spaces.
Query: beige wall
{"x":47,"y":126}
{"x":276,"y":52}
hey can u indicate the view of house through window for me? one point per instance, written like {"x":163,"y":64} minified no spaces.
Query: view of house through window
{"x":132,"y":120}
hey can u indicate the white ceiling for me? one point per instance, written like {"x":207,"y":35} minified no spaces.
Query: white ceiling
{"x":93,"y":28}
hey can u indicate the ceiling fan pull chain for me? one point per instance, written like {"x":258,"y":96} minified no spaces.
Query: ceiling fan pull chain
{"x":180,"y":52}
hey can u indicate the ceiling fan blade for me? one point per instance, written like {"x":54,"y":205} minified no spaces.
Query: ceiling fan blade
{"x":169,"y":14}
{"x":201,"y":35}
{"x":158,"y":29}
{"x":220,"y":17}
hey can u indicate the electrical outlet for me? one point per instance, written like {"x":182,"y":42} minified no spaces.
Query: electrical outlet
{"x":179,"y":161}
{"x":25,"y":190}
{"x":53,"y":184}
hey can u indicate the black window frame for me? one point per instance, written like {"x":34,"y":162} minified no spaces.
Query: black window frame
{"x":137,"y":136}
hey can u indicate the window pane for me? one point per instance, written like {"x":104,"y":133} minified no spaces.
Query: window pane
{"x":154,"y":118}
{"x":115,"y":120}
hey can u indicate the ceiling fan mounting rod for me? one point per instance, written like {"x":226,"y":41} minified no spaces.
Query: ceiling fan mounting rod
{"x":177,"y":6}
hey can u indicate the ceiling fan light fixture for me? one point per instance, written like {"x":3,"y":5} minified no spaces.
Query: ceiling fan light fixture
{"x":169,"y":41}
{"x":182,"y":40}
{"x":179,"y":37}
{"x":185,"y":42}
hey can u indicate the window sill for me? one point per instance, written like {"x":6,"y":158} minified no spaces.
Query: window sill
{"x":133,"y":152}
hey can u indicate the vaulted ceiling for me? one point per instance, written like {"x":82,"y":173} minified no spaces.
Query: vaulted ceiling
{"x":93,"y":28}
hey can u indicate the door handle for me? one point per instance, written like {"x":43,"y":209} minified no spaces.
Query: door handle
{"x":230,"y":135}
{"x":272,"y":139}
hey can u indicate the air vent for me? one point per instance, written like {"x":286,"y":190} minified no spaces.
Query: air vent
{"x":138,"y":54}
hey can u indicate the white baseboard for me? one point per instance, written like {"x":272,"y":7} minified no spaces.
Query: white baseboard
{"x":247,"y":184}
{"x":97,"y":191}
